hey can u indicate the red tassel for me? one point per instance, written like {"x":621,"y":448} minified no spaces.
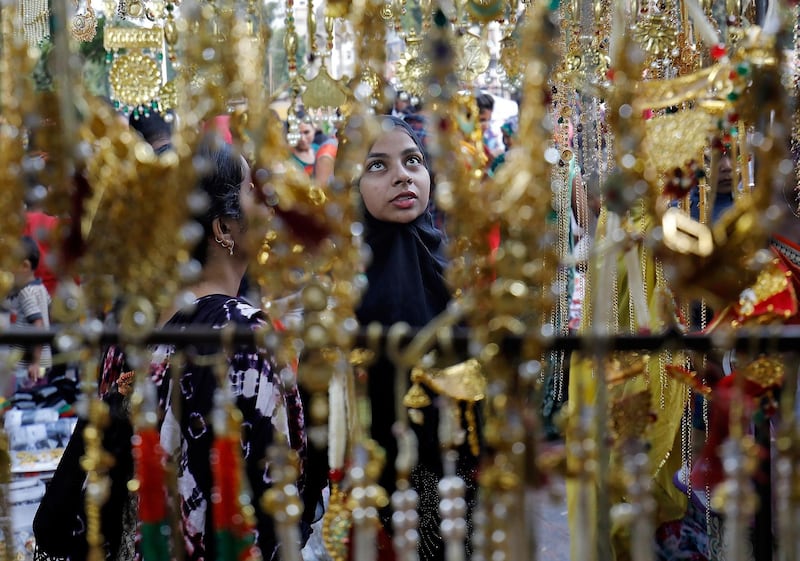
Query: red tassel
{"x":305,"y":228}
{"x":149,"y":460}
{"x":225,"y":492}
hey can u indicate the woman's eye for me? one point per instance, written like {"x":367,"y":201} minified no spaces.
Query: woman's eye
{"x":375,"y":166}
{"x":415,"y":160}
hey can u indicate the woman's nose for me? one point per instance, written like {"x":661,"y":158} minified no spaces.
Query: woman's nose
{"x":401,"y":175}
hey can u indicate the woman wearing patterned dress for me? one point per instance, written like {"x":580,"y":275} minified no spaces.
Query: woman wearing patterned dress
{"x":271,"y":410}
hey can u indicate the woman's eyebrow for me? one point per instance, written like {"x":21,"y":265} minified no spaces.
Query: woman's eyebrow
{"x":403,"y":153}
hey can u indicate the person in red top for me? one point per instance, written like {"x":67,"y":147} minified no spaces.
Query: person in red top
{"x":325,"y":161}
{"x":42,"y":227}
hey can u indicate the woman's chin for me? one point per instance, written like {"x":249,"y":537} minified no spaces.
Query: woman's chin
{"x":402,"y":215}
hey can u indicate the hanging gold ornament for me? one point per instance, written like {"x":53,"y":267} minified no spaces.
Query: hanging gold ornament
{"x":323,"y":91}
{"x":132,"y":9}
{"x":509,"y":57}
{"x":595,"y":58}
{"x":673,"y":139}
{"x":573,"y":61}
{"x":473,"y":57}
{"x":413,"y":68}
{"x":168,"y":96}
{"x":35,"y":17}
{"x":337,"y":8}
{"x":464,"y":381}
{"x":84,"y":26}
{"x":135,"y":79}
{"x":336,"y":524}
{"x":765,"y":372}
{"x":416,"y":397}
{"x":631,"y":416}
{"x":368,"y":85}
{"x":623,"y":366}
{"x":16,"y":91}
{"x":485,"y":11}
{"x":656,"y":35}
{"x":687,"y":377}
{"x":115,"y":38}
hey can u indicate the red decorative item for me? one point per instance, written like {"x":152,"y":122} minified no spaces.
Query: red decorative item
{"x":680,"y":181}
{"x":708,"y":469}
{"x":719,"y":51}
{"x":781,"y":304}
{"x":225,"y":492}
{"x":149,"y":458}
{"x":687,"y":377}
{"x":336,"y":475}
{"x":304,"y":227}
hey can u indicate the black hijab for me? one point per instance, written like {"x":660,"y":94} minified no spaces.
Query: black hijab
{"x":406,"y":274}
{"x":406,"y":283}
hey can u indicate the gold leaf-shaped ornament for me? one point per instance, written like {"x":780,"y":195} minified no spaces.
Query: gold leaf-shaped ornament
{"x":473,"y":57}
{"x":323,"y":91}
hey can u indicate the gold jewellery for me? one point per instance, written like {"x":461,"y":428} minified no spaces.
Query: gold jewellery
{"x":35,"y":17}
{"x":135,"y":77}
{"x":84,"y":26}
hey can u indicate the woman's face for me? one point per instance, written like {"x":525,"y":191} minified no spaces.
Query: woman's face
{"x":396,"y":185}
{"x":306,"y":137}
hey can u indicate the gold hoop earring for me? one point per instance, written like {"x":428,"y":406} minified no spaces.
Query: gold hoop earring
{"x":224,"y":244}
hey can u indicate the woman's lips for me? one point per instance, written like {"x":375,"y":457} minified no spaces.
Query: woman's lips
{"x":404,"y":200}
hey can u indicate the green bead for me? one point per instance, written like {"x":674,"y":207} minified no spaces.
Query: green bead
{"x":226,"y":545}
{"x":733,"y":96}
{"x":742,"y":70}
{"x":155,"y":546}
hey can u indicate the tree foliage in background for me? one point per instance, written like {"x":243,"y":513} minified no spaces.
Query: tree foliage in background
{"x":94,"y":68}
{"x":42,"y":75}
{"x":277,"y":61}
{"x":412,"y":19}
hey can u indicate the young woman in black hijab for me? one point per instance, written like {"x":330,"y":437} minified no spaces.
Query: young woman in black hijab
{"x":406,"y":284}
